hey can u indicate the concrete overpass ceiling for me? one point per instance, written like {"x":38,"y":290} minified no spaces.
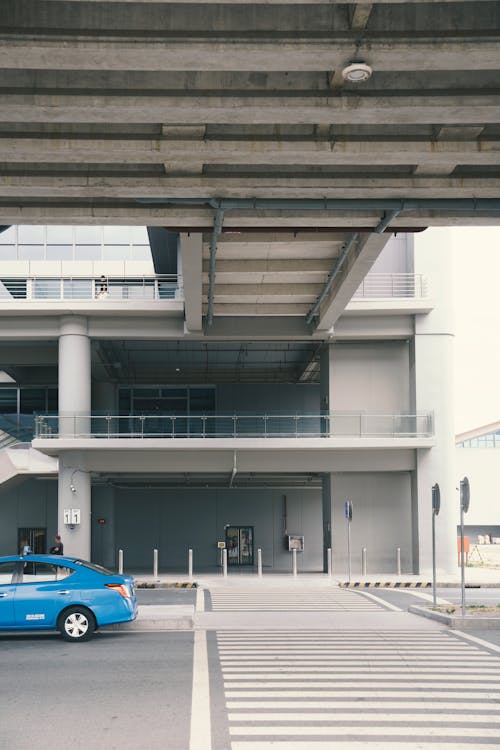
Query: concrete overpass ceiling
{"x":154,"y":113}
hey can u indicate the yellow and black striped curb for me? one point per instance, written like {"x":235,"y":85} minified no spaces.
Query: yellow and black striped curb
{"x":178,"y":585}
{"x":386,"y":585}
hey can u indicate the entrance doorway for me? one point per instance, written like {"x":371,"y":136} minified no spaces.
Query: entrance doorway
{"x":239,"y":545}
{"x":35,"y":538}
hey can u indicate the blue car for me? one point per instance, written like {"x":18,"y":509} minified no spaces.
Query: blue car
{"x":43,"y":592}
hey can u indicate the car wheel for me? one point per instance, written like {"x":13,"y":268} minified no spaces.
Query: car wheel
{"x":76,"y":624}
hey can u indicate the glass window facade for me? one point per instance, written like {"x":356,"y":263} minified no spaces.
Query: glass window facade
{"x":491,"y":440}
{"x":26,"y":400}
{"x":74,"y":243}
{"x":167,"y":400}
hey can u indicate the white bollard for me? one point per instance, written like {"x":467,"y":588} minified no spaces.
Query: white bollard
{"x":329,"y":560}
{"x":120,"y":562}
{"x":190,"y":564}
{"x":294,"y":562}
{"x":224,"y":563}
{"x":398,"y":560}
{"x":363,"y":561}
{"x":259,"y":562}
{"x":155,"y":563}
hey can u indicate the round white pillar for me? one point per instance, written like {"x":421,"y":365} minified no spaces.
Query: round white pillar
{"x":74,"y":376}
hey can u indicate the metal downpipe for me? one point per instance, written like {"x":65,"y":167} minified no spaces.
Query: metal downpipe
{"x":219,"y":218}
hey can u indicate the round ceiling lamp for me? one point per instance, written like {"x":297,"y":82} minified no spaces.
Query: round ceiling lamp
{"x":357,"y":72}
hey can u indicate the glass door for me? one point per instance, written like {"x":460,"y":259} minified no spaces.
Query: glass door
{"x":34,"y":538}
{"x":239,"y":545}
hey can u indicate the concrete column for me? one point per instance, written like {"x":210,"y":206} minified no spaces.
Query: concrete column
{"x":326,"y":378}
{"x":434,"y":390}
{"x":74,"y":375}
{"x":327,"y":518}
{"x":74,"y":492}
{"x":74,"y":411}
{"x":326,"y":405}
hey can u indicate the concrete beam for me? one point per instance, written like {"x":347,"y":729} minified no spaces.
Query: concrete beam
{"x":233,"y":186}
{"x":363,"y":254}
{"x":468,"y":107}
{"x":191,"y":246}
{"x":373,"y":151}
{"x":386,"y":54}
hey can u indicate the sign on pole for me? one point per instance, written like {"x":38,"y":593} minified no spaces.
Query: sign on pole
{"x":464,"y":507}
{"x":348,"y":515}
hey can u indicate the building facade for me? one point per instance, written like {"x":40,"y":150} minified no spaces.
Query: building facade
{"x":127,"y":428}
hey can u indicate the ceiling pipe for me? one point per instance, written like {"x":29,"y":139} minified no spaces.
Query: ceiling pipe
{"x":332,"y":276}
{"x":219,"y":218}
{"x":461,"y":205}
{"x":291,"y":230}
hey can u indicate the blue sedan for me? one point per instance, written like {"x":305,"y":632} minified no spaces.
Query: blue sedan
{"x":42,"y":592}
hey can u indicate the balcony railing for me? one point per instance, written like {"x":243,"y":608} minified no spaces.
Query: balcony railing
{"x":270,"y":425}
{"x":81,"y":288}
{"x":388,"y":285}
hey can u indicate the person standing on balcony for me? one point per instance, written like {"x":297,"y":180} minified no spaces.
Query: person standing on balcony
{"x":102,"y":288}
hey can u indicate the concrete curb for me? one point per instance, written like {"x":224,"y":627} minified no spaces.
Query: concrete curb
{"x":385,"y":585}
{"x":457,"y":622}
{"x":158,"y":617}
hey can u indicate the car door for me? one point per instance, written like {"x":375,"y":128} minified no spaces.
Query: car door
{"x":40,"y":594}
{"x":7,"y":593}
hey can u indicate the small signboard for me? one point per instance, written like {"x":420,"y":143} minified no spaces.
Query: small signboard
{"x":221,"y":545}
{"x":348,"y":510}
{"x":295,"y":542}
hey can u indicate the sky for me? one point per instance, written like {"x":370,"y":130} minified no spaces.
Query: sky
{"x":476,"y":254}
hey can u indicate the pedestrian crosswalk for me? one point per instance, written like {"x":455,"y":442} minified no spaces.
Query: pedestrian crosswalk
{"x":287,"y":599}
{"x":347,"y":690}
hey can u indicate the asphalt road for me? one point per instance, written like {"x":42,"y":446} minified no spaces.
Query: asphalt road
{"x":118,"y":691}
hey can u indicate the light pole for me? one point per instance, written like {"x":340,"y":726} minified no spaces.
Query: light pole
{"x":436,"y":504}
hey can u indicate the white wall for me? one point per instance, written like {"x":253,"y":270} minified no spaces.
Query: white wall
{"x":482,"y":467}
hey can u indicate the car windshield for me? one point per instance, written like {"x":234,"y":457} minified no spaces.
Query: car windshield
{"x":94,"y":566}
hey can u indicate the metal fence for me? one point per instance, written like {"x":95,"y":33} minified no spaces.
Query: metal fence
{"x":388,"y":285}
{"x":334,"y":424}
{"x":129,"y":288}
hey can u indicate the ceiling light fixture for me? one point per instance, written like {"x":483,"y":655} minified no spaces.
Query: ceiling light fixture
{"x":357,"y":72}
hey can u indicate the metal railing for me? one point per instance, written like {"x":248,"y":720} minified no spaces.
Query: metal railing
{"x":118,"y":289}
{"x":388,"y":285}
{"x":334,"y":424}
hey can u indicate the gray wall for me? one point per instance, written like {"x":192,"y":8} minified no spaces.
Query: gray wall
{"x":175,"y":520}
{"x":29,"y":503}
{"x":372,"y":377}
{"x":381,"y":521}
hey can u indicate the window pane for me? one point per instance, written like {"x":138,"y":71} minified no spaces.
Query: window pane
{"x":31,"y":235}
{"x":8,"y":252}
{"x":202,"y":400}
{"x":8,"y":400}
{"x":115,"y":235}
{"x":60,"y":235}
{"x":59,"y":252}
{"x":139,"y":235}
{"x":124,"y":401}
{"x":33,"y":399}
{"x":8,"y":236}
{"x":31,"y":252}
{"x":52,"y":399}
{"x":116,"y":252}
{"x":141,"y":252}
{"x":88,"y":235}
{"x":88,"y":252}
{"x":6,"y":570}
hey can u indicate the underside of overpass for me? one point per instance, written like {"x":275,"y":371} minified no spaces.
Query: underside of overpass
{"x":288,"y":138}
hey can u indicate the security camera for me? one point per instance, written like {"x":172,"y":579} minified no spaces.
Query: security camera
{"x":72,"y":488}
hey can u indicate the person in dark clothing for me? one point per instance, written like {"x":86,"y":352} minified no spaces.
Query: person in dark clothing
{"x":58,"y":548}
